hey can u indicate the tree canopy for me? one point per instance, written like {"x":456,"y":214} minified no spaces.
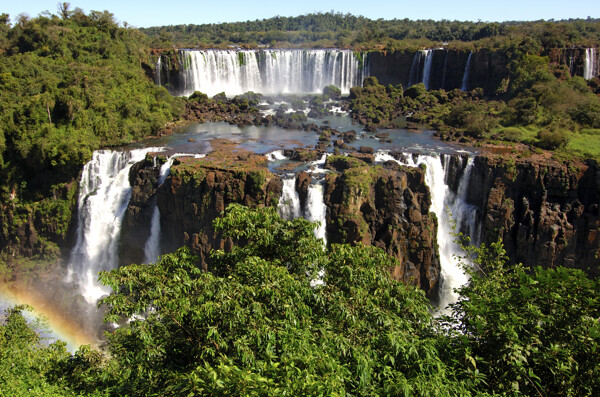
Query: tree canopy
{"x":279,"y":314}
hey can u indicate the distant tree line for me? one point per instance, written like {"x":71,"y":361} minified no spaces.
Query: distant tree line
{"x":346,"y":30}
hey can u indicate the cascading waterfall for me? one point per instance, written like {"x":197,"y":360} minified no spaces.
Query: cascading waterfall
{"x":443,"y":87}
{"x":452,"y":276}
{"x":465,"y":81}
{"x":590,"y":69}
{"x":425,"y":57}
{"x":289,"y":203}
{"x":315,"y":210}
{"x":157,"y":71}
{"x":152,"y":246}
{"x":427,"y":67}
{"x":104,"y":192}
{"x":415,"y":69}
{"x":269,"y":71}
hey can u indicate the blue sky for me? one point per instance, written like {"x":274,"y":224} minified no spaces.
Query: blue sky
{"x":174,"y":12}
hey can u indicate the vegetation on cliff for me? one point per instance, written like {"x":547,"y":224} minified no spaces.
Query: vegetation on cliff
{"x":281,"y":315}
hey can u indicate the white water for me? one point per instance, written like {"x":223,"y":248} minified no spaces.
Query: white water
{"x":415,"y":69}
{"x":427,"y":67}
{"x":590,"y":69}
{"x":289,"y":203}
{"x":315,"y":210}
{"x":104,"y":193}
{"x":269,"y":71}
{"x":442,"y":199}
{"x":157,"y":71}
{"x":276,"y":155}
{"x":465,"y":81}
{"x":152,"y":246}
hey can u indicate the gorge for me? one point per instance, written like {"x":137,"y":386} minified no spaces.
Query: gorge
{"x":403,"y":201}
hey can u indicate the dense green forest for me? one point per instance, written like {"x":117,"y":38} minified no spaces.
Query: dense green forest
{"x":69,"y":84}
{"x":348,"y":31}
{"x":259,"y":324}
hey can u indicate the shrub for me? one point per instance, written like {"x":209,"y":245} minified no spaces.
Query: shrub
{"x":511,"y":134}
{"x":552,"y":140}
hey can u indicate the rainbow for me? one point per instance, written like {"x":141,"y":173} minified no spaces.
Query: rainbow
{"x":61,"y":326}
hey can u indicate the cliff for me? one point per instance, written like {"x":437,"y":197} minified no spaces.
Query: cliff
{"x":387,"y":207}
{"x":487,"y":69}
{"x":198,"y":190}
{"x":383,"y":206}
{"x":546,"y":212}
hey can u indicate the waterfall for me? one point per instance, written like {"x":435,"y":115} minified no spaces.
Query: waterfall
{"x":589,"y":66}
{"x":157,"y":71}
{"x":443,"y":87}
{"x":269,"y":71}
{"x":415,"y":69}
{"x":427,"y":68}
{"x":104,"y":192}
{"x":276,"y":155}
{"x":289,"y":203}
{"x":451,"y":276}
{"x":152,"y":246}
{"x":465,"y":81}
{"x":315,"y":210}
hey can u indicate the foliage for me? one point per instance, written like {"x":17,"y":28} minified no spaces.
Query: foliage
{"x":260,"y":323}
{"x":68,"y":86}
{"x":530,"y":332}
{"x":24,"y":360}
{"x":345,"y":30}
{"x":280,"y":314}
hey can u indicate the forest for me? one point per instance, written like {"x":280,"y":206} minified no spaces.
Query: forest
{"x":258,"y":324}
{"x":339,"y":30}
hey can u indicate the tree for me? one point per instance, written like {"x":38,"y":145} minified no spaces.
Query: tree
{"x":529,"y":331}
{"x":278,"y":314}
{"x":24,"y":358}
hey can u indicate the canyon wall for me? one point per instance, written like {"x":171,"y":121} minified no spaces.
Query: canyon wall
{"x":383,"y":206}
{"x":547,"y":213}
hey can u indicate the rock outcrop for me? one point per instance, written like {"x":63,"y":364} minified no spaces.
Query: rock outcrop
{"x":387,"y":207}
{"x":198,"y":190}
{"x":136,"y":226}
{"x":546,"y":212}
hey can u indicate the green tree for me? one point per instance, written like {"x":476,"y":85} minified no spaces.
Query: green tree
{"x":277,"y":315}
{"x":530,"y":332}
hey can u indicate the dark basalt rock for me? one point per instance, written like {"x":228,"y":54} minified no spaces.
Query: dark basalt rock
{"x":546,"y":212}
{"x":388,"y":208}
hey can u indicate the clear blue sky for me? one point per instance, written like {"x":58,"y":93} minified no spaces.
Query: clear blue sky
{"x":174,"y":12}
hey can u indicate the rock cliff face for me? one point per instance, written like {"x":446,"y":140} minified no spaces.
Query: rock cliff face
{"x":383,"y":206}
{"x":387,"y":207}
{"x":447,"y":68}
{"x":135,"y":230}
{"x":547,"y":213}
{"x":198,"y":190}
